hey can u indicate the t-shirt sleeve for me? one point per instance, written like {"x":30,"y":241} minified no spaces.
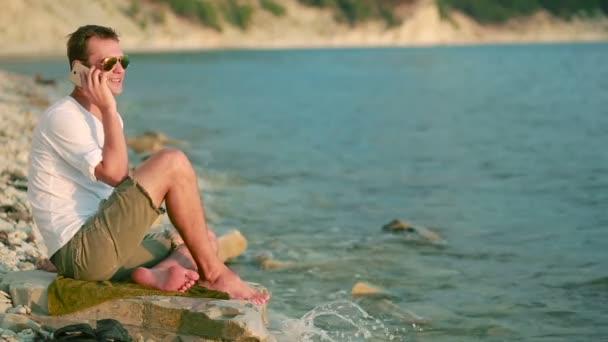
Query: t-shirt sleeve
{"x":73,"y":137}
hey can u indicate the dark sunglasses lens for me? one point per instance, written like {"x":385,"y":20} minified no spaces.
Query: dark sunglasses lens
{"x":109,"y":63}
{"x":124,"y":61}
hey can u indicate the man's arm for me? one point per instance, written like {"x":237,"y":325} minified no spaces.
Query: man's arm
{"x":114,"y":166}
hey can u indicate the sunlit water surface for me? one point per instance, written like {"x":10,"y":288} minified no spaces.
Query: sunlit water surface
{"x":502,"y":150}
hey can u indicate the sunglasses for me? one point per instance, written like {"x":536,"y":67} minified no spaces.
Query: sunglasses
{"x":108,"y":63}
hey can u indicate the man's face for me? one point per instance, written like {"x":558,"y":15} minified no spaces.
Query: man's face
{"x":100,"y":49}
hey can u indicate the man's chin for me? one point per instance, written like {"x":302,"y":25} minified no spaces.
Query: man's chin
{"x":116,"y":90}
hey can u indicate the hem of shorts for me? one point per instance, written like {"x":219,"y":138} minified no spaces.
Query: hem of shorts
{"x":159,"y":211}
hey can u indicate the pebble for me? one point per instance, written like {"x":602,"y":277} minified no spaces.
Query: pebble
{"x":27,"y":335}
{"x":20,"y":310}
{"x":8,"y":335}
{"x":6,"y":302}
{"x":5,"y":225}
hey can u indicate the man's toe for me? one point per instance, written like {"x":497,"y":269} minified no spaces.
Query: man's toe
{"x":192,"y":275}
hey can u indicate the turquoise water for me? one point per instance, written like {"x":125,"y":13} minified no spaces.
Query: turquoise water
{"x":499,"y":149}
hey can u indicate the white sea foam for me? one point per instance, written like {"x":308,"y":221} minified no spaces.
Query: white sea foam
{"x":335,"y":321}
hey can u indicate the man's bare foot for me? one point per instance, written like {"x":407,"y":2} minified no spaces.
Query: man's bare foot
{"x":232,"y":284}
{"x":174,"y":278}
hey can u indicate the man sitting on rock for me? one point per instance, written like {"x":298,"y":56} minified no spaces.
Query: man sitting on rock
{"x":92,"y":213}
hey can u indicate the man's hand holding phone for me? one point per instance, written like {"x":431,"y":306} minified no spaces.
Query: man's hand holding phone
{"x":93,"y":84}
{"x":78,"y":74}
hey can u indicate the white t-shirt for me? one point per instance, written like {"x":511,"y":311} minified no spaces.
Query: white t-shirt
{"x":63,"y":191}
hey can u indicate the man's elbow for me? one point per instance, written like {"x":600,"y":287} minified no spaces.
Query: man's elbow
{"x":114,"y":180}
{"x":111,"y":177}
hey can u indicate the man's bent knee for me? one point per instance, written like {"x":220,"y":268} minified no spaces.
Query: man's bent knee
{"x":162,"y":171}
{"x":173,"y":162}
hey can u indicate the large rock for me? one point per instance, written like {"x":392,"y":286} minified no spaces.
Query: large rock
{"x":156,"y":317}
{"x":28,"y":288}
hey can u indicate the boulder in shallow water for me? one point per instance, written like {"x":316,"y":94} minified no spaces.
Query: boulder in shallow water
{"x":268,"y":263}
{"x":151,"y":141}
{"x":231,"y":245}
{"x":365,"y":289}
{"x":144,"y":144}
{"x":398,"y":226}
{"x":163,"y":138}
{"x":402,"y":227}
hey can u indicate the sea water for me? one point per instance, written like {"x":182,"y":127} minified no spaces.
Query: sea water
{"x":501,"y":150}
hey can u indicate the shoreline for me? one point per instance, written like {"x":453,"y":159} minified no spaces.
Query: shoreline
{"x":33,"y":56}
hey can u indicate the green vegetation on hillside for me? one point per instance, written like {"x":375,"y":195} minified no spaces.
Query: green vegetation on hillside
{"x":355,"y":11}
{"x":497,"y":11}
{"x":273,"y":7}
{"x":213,"y":13}
{"x":143,"y":15}
{"x":237,"y":14}
{"x":206,"y":12}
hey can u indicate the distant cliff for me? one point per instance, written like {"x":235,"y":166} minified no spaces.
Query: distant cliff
{"x":39,"y":27}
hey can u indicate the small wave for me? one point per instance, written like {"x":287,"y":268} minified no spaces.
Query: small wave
{"x":598,"y":283}
{"x":335,"y":321}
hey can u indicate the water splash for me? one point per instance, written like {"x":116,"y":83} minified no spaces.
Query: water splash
{"x":336,"y":321}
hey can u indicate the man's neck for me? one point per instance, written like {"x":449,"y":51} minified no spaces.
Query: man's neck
{"x":85,"y":103}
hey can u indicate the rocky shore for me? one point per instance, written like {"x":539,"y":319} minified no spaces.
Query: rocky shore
{"x":21,"y":248}
{"x":21,"y":101}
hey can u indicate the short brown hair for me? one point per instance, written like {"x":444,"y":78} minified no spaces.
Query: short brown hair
{"x":78,"y":48}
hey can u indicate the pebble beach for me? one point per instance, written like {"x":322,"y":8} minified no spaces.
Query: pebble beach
{"x":21,"y":101}
{"x":21,"y":247}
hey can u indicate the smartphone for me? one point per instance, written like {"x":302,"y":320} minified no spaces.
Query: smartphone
{"x":77,"y":70}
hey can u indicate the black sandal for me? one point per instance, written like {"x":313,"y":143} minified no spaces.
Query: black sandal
{"x":75,"y":332}
{"x":111,"y":330}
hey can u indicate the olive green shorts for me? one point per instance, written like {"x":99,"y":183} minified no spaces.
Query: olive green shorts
{"x":114,"y":241}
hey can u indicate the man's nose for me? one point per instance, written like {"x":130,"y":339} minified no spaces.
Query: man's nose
{"x":118,"y":68}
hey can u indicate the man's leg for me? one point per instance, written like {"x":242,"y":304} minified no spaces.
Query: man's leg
{"x":149,"y":265}
{"x":168,"y":275}
{"x":113,"y":243}
{"x":168,"y":176}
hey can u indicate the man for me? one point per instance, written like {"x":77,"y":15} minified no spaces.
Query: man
{"x":92,"y":214}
